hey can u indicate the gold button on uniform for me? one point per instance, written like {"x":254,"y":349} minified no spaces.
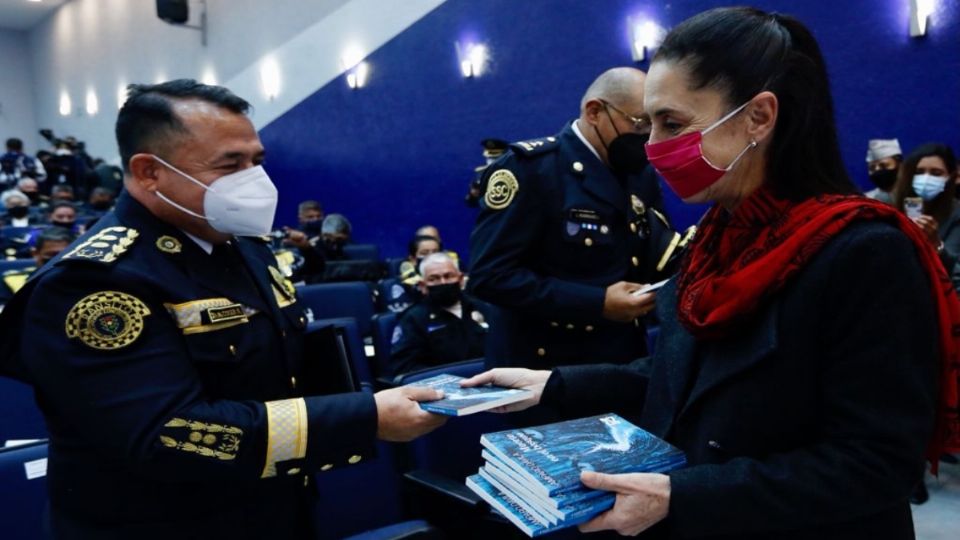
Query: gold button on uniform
{"x":233,"y":350}
{"x":551,"y":139}
{"x":541,"y":352}
{"x":570,"y":327}
{"x":635,"y":261}
{"x":306,"y":481}
{"x":554,"y":324}
{"x":326,"y":467}
{"x":633,"y":227}
{"x":577,"y":166}
{"x":354,"y":460}
{"x":293,"y":472}
{"x":293,"y":382}
{"x":588,"y":328}
{"x":588,"y":242}
{"x":303,"y":321}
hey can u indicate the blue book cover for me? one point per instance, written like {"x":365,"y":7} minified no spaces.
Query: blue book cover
{"x":515,"y":512}
{"x":597,"y":502}
{"x":555,"y":503}
{"x":551,"y":457}
{"x":463,"y":401}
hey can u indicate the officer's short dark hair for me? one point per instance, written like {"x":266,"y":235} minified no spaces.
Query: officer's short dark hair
{"x":146,"y":120}
{"x":61,"y":204}
{"x":14,"y":144}
{"x":62,"y":188}
{"x":101,"y":191}
{"x":309,"y":205}
{"x":414,"y":244}
{"x":53,"y":234}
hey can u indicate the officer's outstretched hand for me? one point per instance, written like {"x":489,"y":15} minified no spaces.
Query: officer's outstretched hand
{"x":621,"y":305}
{"x":526,"y":379}
{"x":399,"y":416}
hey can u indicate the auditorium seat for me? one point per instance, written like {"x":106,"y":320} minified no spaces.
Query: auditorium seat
{"x":16,"y":232}
{"x":15,"y":264}
{"x":417,"y":529}
{"x":20,"y":418}
{"x":335,"y":300}
{"x":23,"y":497}
{"x":393,"y":266}
{"x":383,"y":326}
{"x":361,"y":252}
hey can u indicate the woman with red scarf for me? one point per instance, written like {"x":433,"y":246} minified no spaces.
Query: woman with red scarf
{"x":803,"y":412}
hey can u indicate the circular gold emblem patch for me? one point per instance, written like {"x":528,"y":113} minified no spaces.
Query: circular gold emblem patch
{"x":501,"y":189}
{"x":169,"y":244}
{"x":107,"y":320}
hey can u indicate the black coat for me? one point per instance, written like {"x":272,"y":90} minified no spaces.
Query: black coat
{"x":172,"y":383}
{"x":556,"y":228}
{"x":428,"y":335}
{"x":809,"y":424}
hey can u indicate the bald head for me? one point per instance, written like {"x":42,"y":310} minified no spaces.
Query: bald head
{"x":622,"y":86}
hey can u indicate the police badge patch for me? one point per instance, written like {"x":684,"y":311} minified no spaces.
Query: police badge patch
{"x":501,"y":189}
{"x":107,"y":320}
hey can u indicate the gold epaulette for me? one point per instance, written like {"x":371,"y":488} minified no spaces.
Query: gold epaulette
{"x":105,"y":247}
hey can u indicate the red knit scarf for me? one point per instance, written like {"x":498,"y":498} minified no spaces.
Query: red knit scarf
{"x":738,"y":262}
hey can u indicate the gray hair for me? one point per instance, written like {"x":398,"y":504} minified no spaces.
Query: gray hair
{"x":13,"y":194}
{"x":437,"y":257}
{"x":616,"y":85}
{"x":336,"y":224}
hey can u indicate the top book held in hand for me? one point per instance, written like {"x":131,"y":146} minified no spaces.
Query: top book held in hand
{"x":459,"y":401}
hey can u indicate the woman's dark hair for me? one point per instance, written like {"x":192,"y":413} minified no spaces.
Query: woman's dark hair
{"x":744,"y":51}
{"x":147,"y":120}
{"x":414,"y":244}
{"x":941,"y":206}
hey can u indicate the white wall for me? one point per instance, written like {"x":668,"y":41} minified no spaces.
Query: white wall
{"x":102,"y":45}
{"x":16,"y":97}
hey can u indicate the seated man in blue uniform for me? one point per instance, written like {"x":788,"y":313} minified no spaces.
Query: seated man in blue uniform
{"x":446,"y":326}
{"x":48,"y":245}
{"x":568,"y":229}
{"x":165,"y":347}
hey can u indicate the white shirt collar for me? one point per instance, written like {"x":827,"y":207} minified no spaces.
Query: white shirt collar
{"x":204,"y":245}
{"x":576,"y":131}
{"x":20,"y":222}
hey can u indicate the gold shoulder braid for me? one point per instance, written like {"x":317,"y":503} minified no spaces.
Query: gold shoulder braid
{"x":208,"y":440}
{"x":502,"y":187}
{"x":106,"y":246}
{"x":283,"y":289}
{"x":107,"y":320}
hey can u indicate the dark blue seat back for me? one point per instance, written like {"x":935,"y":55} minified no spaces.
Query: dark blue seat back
{"x":23,"y":491}
{"x":361,"y":252}
{"x":16,"y":232}
{"x":353,"y":346}
{"x":16,"y":264}
{"x":393,"y":266}
{"x":335,"y":300}
{"x":20,"y":418}
{"x":383,"y":327}
{"x":392,"y":296}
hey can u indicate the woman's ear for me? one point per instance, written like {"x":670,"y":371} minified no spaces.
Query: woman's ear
{"x":762,"y":115}
{"x":145,"y":171}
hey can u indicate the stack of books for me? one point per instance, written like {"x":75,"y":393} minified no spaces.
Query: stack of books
{"x":463,"y":401}
{"x":532,"y":475}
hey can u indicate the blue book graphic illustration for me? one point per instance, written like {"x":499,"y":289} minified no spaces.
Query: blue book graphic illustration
{"x":550,"y":458}
{"x":567,"y":512}
{"x":558,"y":503}
{"x":463,"y":401}
{"x":514,"y":512}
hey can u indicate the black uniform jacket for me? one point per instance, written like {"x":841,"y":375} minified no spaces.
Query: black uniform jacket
{"x":556,"y":228}
{"x":810,"y":423}
{"x":171,"y":382}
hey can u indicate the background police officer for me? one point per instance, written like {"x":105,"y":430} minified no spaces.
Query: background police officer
{"x":566,"y":234}
{"x":165,"y":347}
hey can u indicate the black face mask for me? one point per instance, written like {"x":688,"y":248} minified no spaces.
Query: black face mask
{"x":334,"y":246}
{"x":312,"y":228}
{"x":101,"y":205}
{"x":18,"y":212}
{"x":627,"y":153}
{"x":444,"y":295}
{"x":884,"y":178}
{"x":34,"y":197}
{"x":64,"y":224}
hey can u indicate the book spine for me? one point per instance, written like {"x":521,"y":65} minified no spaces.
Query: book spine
{"x":439,"y":410}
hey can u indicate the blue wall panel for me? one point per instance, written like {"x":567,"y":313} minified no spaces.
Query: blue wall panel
{"x":400,"y":152}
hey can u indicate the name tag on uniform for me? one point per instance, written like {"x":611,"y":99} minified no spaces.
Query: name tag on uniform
{"x":225,"y":313}
{"x":580,"y":214}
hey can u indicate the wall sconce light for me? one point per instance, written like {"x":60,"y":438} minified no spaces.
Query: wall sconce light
{"x":209,"y":77}
{"x":920,"y":11}
{"x":644,"y":35}
{"x":355,"y":68}
{"x":270,"y":78}
{"x":93,"y":104}
{"x":121,"y":95}
{"x":66,"y":107}
{"x":473,"y":60}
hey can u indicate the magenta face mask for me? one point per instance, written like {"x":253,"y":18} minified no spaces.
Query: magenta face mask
{"x":680,"y":160}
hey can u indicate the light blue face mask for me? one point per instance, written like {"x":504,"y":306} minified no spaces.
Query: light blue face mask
{"x":928,"y":186}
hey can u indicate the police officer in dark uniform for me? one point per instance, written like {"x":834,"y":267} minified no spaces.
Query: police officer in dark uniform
{"x":166,"y":349}
{"x":492,"y":150}
{"x":49,"y":243}
{"x":566,"y":235}
{"x":446,"y":326}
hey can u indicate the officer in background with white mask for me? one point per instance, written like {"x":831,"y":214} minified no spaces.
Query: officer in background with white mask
{"x":166,"y":349}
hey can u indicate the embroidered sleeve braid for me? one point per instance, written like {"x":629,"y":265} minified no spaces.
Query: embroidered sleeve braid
{"x":287,"y":433}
